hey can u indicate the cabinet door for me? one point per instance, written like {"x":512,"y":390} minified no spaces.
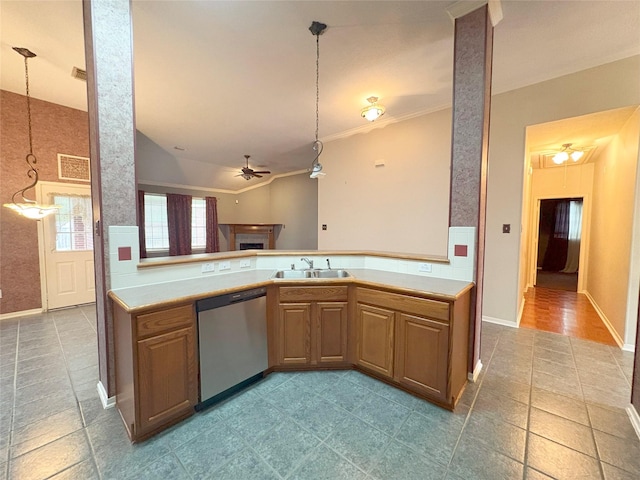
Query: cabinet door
{"x":294,"y":328}
{"x":422,"y":351}
{"x":375,"y":339}
{"x":167,"y":377}
{"x":331,"y":332}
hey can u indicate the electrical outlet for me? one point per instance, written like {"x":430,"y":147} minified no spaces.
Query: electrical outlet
{"x":245,"y":263}
{"x":224,"y":265}
{"x":424,"y":267}
{"x":208,"y":267}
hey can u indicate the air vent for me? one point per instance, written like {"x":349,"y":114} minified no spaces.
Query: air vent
{"x":79,"y":74}
{"x":71,"y":167}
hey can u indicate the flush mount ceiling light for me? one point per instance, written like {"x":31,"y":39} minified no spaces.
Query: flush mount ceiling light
{"x":567,"y":152}
{"x":373,"y":111}
{"x":29,"y":208}
{"x":317,"y":29}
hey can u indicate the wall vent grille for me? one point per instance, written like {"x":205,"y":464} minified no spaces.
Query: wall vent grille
{"x":71,"y":167}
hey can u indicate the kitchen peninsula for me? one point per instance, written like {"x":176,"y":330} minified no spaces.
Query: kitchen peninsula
{"x":408,"y":330}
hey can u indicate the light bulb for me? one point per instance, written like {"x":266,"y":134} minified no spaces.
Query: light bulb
{"x":560,"y":158}
{"x":577,"y":155}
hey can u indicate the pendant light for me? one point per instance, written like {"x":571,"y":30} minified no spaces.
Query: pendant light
{"x":317,"y":29}
{"x":29,"y":208}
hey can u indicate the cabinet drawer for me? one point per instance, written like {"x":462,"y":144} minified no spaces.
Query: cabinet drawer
{"x":309,"y":294}
{"x":403,"y":303}
{"x":165,"y":320}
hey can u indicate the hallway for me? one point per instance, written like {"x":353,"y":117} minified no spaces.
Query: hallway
{"x":567,"y":313}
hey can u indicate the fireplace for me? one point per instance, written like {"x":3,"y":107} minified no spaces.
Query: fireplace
{"x":243,"y":236}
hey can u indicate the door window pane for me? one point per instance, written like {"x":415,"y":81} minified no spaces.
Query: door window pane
{"x":74,"y":223}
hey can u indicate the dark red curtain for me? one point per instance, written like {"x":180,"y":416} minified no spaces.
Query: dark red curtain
{"x":213,"y":242}
{"x":179,"y":223}
{"x":556,"y":255}
{"x":141,"y":232}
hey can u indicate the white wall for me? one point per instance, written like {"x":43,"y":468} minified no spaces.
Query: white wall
{"x":402,"y":206}
{"x":605,"y":87}
{"x":294,"y":204}
{"x":614,"y":192}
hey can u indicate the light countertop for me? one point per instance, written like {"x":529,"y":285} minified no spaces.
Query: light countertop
{"x":135,"y":299}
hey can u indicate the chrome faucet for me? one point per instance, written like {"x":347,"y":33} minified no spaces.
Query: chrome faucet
{"x":328,"y":264}
{"x":309,"y":262}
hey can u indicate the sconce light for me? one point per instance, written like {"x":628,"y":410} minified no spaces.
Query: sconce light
{"x":373,"y":111}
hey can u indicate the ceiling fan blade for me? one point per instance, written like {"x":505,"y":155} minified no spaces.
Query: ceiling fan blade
{"x":264,"y":172}
{"x":256,"y":175}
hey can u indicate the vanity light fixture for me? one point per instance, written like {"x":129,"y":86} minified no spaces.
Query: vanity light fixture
{"x":29,"y":208}
{"x":373,"y":111}
{"x":567,"y":152}
{"x":317,"y":29}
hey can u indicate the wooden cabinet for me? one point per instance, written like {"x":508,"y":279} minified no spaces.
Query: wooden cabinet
{"x":419,"y":343}
{"x":422,"y":348}
{"x":374,"y":343}
{"x":311,"y":325}
{"x":295,"y":333}
{"x":156,"y":368}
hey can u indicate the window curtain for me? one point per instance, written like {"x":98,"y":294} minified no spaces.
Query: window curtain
{"x":574,"y":236}
{"x":556,"y":255}
{"x":213,"y":241}
{"x":141,"y":233}
{"x":179,"y":223}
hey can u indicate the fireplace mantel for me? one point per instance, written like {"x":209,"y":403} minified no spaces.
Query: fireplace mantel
{"x":267,"y":229}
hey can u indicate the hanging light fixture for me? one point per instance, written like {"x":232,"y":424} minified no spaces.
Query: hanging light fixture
{"x":567,"y":152}
{"x":373,"y":111}
{"x":29,"y":208}
{"x":317,"y":29}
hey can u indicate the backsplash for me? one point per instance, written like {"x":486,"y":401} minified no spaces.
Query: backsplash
{"x":125,"y":272}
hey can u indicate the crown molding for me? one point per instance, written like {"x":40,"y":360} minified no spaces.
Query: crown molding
{"x":369,"y":126}
{"x":222,"y":190}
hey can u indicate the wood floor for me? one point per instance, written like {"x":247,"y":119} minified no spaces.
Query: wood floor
{"x":567,"y":313}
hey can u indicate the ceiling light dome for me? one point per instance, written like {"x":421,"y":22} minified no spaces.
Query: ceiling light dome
{"x":373,"y":111}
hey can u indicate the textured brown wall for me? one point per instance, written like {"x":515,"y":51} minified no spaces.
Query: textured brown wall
{"x":56,"y":129}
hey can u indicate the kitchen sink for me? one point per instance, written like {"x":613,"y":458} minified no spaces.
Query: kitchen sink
{"x":311,"y":273}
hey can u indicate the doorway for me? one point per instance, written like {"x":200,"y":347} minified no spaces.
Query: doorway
{"x":559,"y":242}
{"x":66,"y":246}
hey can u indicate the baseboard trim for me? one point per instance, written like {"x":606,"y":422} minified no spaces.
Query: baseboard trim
{"x":473,"y":376}
{"x":499,"y":321}
{"x":629,"y":347}
{"x":605,"y":320}
{"x":107,"y":401}
{"x":520,"y":312}
{"x":634,"y":417}
{"x":22,"y":313}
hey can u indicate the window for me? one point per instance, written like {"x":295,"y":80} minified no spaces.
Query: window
{"x":155,"y":222}
{"x":156,"y":225}
{"x":198,"y":223}
{"x":74,"y":223}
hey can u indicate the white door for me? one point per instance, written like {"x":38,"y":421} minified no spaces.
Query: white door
{"x":68,"y":246}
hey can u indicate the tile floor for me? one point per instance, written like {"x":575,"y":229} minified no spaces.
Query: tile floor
{"x":546,"y":406}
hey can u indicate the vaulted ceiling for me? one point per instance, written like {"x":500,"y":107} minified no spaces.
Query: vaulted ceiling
{"x":221,"y":79}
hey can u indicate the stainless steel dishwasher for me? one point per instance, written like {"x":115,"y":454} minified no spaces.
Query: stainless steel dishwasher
{"x":232,"y":341}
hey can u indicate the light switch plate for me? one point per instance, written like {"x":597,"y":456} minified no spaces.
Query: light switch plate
{"x":224,"y":265}
{"x":425,"y":267}
{"x":245,"y":263}
{"x":208,"y":267}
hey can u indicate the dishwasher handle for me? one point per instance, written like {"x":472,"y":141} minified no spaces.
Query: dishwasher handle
{"x":229,"y":299}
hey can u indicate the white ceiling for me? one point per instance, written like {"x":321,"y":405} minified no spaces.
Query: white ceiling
{"x":227,"y":78}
